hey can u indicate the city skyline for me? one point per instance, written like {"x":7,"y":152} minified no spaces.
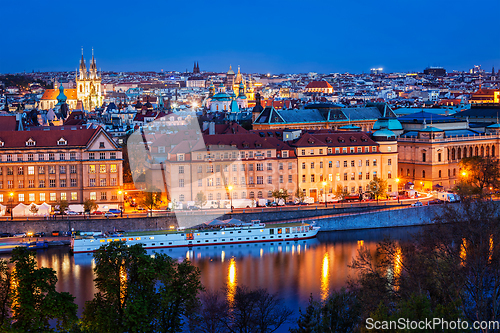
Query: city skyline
{"x":330,"y":37}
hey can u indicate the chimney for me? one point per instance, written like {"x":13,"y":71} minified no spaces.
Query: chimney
{"x":211,"y":128}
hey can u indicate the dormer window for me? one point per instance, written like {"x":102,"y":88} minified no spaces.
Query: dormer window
{"x":30,"y":142}
{"x":364,"y":139}
{"x":353,"y":139}
{"x":328,"y":140}
{"x":341,"y":139}
{"x":62,"y":142}
{"x":258,"y":144}
{"x":1,"y":143}
{"x":310,"y":141}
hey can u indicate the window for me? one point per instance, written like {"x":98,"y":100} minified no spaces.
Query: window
{"x":312,"y":178}
{"x":352,"y":176}
{"x":210,"y":182}
{"x":423,"y":173}
{"x":91,"y":168}
{"x":269,"y":166}
{"x":41,"y":170}
{"x":21,"y":184}
{"x":181,"y":182}
{"x":10,"y":184}
{"x":63,"y":196}
{"x":20,"y":197}
{"x":101,"y":144}
{"x":217,"y":168}
{"x":423,"y":157}
{"x":51,"y":157}
{"x":259,"y":194}
{"x":31,"y":183}
{"x":303,"y":178}
{"x":41,"y":157}
{"x":9,"y":158}
{"x":72,"y":156}
{"x":367,"y":162}
{"x":20,"y":171}
{"x":374,"y":174}
{"x":30,"y":157}
{"x":345,"y":164}
{"x":389,"y":174}
{"x":280,"y":179}
{"x":72,"y":169}
{"x":52,"y":169}
{"x":200,"y":182}
{"x":250,"y":167}
{"x":268,"y":154}
{"x":73,"y":182}
{"x":62,"y":157}
{"x":92,"y":182}
{"x":284,"y":153}
{"x":62,"y":169}
{"x":52,"y":183}
{"x":41,"y":183}
{"x":439,"y":158}
{"x":102,"y":168}
{"x":389,"y":161}
{"x":31,"y":170}
{"x":93,"y":195}
{"x":290,"y":178}
{"x":312,"y":165}
{"x":250,"y":180}
{"x":290,"y":165}
{"x":181,"y":169}
{"x":92,"y":157}
{"x":62,"y":183}
{"x":210,"y":168}
{"x":374,"y":149}
{"x":52,"y":197}
{"x":42,"y":197}
{"x":62,"y":142}
{"x":104,"y":195}
{"x":367,"y":175}
{"x":352,"y":164}
{"x":180,"y":157}
{"x":20,"y":157}
{"x":303,"y":165}
{"x":321,"y":151}
{"x":74,"y":196}
{"x":312,"y":151}
{"x":303,"y":152}
{"x":260,"y":180}
{"x":217,"y":181}
{"x":337,"y":164}
{"x":269,"y":179}
{"x":439,"y":173}
{"x":367,"y":149}
{"x":103,"y":182}
{"x":345,"y":175}
{"x":260,"y":167}
{"x":360,"y":176}
{"x":102,"y":156}
{"x":374,"y":162}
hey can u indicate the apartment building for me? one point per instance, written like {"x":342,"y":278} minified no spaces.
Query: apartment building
{"x":72,"y":163}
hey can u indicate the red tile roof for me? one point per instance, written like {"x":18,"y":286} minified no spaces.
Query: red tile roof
{"x":318,"y":84}
{"x":51,"y":94}
{"x":8,"y":123}
{"x":48,"y":136}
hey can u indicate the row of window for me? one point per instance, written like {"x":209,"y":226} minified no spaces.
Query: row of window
{"x":345,"y":164}
{"x":352,"y":176}
{"x":260,"y":180}
{"x":30,"y":170}
{"x":52,"y":183}
{"x":352,"y":150}
{"x":73,"y":196}
{"x":233,"y":155}
{"x":259,"y":167}
{"x":52,"y":157}
{"x":102,"y":182}
{"x":102,"y":168}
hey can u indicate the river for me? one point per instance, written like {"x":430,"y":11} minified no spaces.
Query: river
{"x":294,"y":270}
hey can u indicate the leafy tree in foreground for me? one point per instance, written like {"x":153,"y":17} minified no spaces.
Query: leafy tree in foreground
{"x":5,"y":301}
{"x":150,"y":198}
{"x":34,"y":299}
{"x":478,"y":173}
{"x":89,"y":206}
{"x":377,"y":187}
{"x":201,"y":199}
{"x":139,"y":293}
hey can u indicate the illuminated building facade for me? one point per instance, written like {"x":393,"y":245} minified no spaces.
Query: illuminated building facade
{"x":88,"y":85}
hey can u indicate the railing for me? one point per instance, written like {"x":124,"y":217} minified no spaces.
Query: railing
{"x":453,"y":139}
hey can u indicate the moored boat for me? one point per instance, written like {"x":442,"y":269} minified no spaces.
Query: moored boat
{"x":203,"y":235}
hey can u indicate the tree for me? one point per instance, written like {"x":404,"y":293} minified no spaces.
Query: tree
{"x":478,"y":174}
{"x":150,"y":198}
{"x":201,"y":199}
{"x":140,"y":293}
{"x":377,"y":187}
{"x":340,"y":193}
{"x":63,"y":206}
{"x":279,"y":194}
{"x":89,"y":206}
{"x":34,"y":299}
{"x":5,"y":297}
{"x":300,"y":195}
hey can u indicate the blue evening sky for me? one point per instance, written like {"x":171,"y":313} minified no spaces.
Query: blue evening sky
{"x":263,"y":36}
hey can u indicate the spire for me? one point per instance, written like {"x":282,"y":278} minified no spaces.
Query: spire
{"x":83,"y":68}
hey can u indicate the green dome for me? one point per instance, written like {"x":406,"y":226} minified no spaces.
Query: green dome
{"x":384,"y":134}
{"x":431,"y":129}
{"x":61,"y":98}
{"x":389,"y":123}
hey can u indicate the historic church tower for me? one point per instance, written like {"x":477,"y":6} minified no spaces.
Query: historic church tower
{"x":88,"y":85}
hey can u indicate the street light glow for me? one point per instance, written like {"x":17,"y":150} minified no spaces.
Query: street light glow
{"x":464,"y":173}
{"x":11,"y":194}
{"x":230,"y":188}
{"x":324,"y":183}
{"x":397,"y":180}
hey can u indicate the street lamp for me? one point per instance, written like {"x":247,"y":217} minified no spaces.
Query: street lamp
{"x":230,"y":188}
{"x":397,"y":187}
{"x":121,"y":207}
{"x":11,"y":200}
{"x":324,"y":191}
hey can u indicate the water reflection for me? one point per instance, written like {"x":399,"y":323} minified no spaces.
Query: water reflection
{"x":294,"y":270}
{"x":231,"y":281}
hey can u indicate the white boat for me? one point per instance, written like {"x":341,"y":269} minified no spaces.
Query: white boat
{"x":218,"y":235}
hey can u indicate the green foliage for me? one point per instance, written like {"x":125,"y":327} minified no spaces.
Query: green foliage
{"x":478,"y":174}
{"x":5,"y":297}
{"x":21,"y":81}
{"x":300,"y":195}
{"x":89,"y":206}
{"x":150,"y":198}
{"x":34,"y":300}
{"x":340,"y":192}
{"x":377,"y":187}
{"x":280,"y":194}
{"x":201,"y":199}
{"x":33,"y":209}
{"x":139,"y":293}
{"x":63,"y":206}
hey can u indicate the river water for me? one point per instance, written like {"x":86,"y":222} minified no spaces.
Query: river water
{"x":294,"y":270}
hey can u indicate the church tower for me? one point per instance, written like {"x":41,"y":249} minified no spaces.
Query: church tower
{"x":88,"y":85}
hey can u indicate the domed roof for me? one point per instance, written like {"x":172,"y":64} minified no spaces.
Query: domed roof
{"x":384,"y":134}
{"x":389,"y":123}
{"x":494,"y":126}
{"x":61,"y":98}
{"x":350,"y":127}
{"x":230,"y":71}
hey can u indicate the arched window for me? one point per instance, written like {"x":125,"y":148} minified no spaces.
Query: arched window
{"x":408,"y":172}
{"x":487,"y":150}
{"x":470,"y":152}
{"x":493,"y":151}
{"x":259,"y":194}
{"x":482,"y":151}
{"x":476,"y":151}
{"x":448,"y":149}
{"x":439,"y":173}
{"x":459,"y":153}
{"x":454,"y":172}
{"x":423,"y":173}
{"x":448,"y":172}
{"x":465,"y":152}
{"x":453,"y":154}
{"x":252,"y":195}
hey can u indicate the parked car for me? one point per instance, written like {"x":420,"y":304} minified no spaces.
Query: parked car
{"x":70,"y":212}
{"x":114,"y":211}
{"x":417,"y":204}
{"x":108,"y":214}
{"x":192,"y":208}
{"x":39,"y":234}
{"x":55,"y":233}
{"x":436,"y":202}
{"x":21,"y":234}
{"x":141,"y":208}
{"x":98,"y":212}
{"x":6,"y":234}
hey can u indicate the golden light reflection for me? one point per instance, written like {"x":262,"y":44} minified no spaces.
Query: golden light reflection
{"x":231,"y":281}
{"x":123,"y":284}
{"x":491,"y":248}
{"x":397,"y":266}
{"x":463,"y":251}
{"x":298,"y":249}
{"x":13,"y":288}
{"x":361,"y":243}
{"x":261,"y":252}
{"x":222,"y":256}
{"x":325,"y":277}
